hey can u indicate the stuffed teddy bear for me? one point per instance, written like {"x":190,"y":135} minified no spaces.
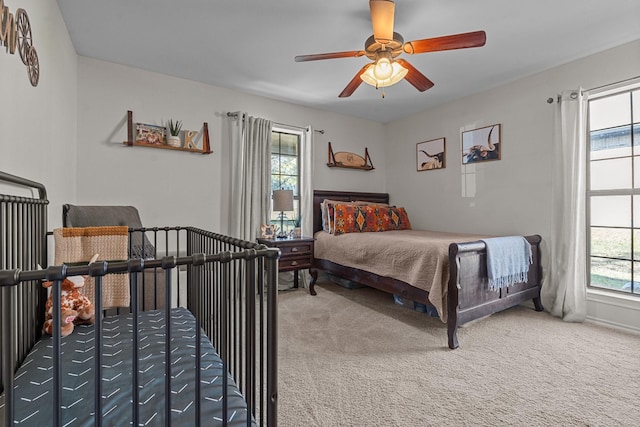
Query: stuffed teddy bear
{"x":75,"y":307}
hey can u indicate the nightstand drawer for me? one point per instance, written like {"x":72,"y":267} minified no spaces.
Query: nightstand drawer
{"x":295,"y":254}
{"x":294,"y":263}
{"x":296,"y":249}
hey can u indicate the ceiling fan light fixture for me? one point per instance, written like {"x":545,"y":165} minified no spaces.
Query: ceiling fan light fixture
{"x":383,"y":69}
{"x":398,"y":73}
{"x":382,"y":15}
{"x":384,"y":46}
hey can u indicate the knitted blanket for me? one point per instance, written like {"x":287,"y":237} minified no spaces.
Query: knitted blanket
{"x":508,"y":260}
{"x":73,"y":245}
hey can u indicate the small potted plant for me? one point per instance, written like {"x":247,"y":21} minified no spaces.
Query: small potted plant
{"x":174,"y":132}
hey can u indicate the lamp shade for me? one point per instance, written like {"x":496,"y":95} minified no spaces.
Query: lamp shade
{"x":398,"y":73}
{"x":283,"y":200}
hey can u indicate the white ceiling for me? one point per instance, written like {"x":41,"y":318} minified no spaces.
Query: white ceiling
{"x":249,"y":45}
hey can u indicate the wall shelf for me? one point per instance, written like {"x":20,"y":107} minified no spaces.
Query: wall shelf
{"x":131,"y":139}
{"x":343,"y":159}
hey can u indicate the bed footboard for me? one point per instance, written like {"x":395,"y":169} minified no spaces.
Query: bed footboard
{"x":469,"y":297}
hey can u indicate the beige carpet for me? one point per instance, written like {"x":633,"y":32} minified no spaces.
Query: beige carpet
{"x":354,"y":358}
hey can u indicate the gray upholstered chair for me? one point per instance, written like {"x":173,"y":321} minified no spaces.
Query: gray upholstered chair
{"x":153,"y":291}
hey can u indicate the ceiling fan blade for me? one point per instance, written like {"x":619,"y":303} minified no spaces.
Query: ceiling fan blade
{"x":333,"y":55}
{"x":455,"y":41}
{"x":415,"y":77}
{"x":382,"y":15}
{"x":354,"y":83}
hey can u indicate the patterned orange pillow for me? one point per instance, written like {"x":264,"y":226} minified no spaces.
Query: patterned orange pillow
{"x":358,"y":219}
{"x":327,"y":217}
{"x":343,"y":218}
{"x":326,"y":208}
{"x":370,"y":218}
{"x":329,"y":206}
{"x":399,"y":219}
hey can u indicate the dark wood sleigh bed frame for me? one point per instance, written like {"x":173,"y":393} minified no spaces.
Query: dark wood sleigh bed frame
{"x":468,"y":296}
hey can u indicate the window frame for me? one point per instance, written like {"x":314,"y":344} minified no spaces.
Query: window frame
{"x":631,"y":192}
{"x":283,"y":129}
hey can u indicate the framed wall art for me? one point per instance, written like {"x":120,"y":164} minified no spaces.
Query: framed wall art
{"x":430,"y":155}
{"x":150,"y":134}
{"x":480,"y":145}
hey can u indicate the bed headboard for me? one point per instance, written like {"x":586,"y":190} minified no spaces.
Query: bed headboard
{"x":347,"y":196}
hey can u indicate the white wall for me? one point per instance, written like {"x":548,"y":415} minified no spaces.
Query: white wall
{"x":38,"y":124}
{"x":512,"y":194}
{"x":85,"y":100}
{"x":178,"y":188}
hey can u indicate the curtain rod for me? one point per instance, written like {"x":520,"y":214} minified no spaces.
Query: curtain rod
{"x":550,"y":99}
{"x":614,"y":83}
{"x":235,"y":116}
{"x":574,"y":95}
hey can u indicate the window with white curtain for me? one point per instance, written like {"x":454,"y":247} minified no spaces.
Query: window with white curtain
{"x":285,"y":172}
{"x":613,"y":190}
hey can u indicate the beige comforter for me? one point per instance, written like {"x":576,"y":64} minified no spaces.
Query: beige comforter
{"x":417,"y":257}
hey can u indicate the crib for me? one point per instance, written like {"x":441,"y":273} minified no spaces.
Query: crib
{"x":206,"y":355}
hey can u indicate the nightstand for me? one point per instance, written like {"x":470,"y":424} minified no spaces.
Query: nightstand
{"x":296,"y":253}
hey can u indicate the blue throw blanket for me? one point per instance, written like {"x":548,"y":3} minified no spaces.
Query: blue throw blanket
{"x":508,"y":260}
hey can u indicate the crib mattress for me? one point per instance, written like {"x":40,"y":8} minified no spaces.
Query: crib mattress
{"x":34,"y":385}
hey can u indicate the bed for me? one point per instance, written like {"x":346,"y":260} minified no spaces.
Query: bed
{"x":208,"y":357}
{"x":463,"y":295}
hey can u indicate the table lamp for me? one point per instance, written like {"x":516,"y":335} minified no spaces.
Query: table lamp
{"x":282,"y":201}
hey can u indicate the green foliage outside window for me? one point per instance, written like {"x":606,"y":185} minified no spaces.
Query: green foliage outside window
{"x":285,"y":174}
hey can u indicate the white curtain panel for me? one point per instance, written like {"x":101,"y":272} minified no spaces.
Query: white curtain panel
{"x":306,"y":184}
{"x":306,"y":195}
{"x":250,"y":146}
{"x":565,"y":293}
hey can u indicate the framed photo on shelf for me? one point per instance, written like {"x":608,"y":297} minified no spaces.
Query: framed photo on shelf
{"x":430,"y":155}
{"x":480,"y":145}
{"x":267,"y":231}
{"x":151,"y":134}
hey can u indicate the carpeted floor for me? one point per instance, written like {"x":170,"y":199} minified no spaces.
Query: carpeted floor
{"x":354,"y":358}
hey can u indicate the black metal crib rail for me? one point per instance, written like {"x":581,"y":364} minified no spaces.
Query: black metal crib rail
{"x":23,"y":244}
{"x":227,"y":298}
{"x":231,"y":289}
{"x":249,"y":354}
{"x":223,"y":312}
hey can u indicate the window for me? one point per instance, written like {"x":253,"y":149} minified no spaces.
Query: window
{"x":285,"y":174}
{"x":613,"y":190}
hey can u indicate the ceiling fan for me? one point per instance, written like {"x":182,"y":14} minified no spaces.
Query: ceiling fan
{"x":385,"y":45}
